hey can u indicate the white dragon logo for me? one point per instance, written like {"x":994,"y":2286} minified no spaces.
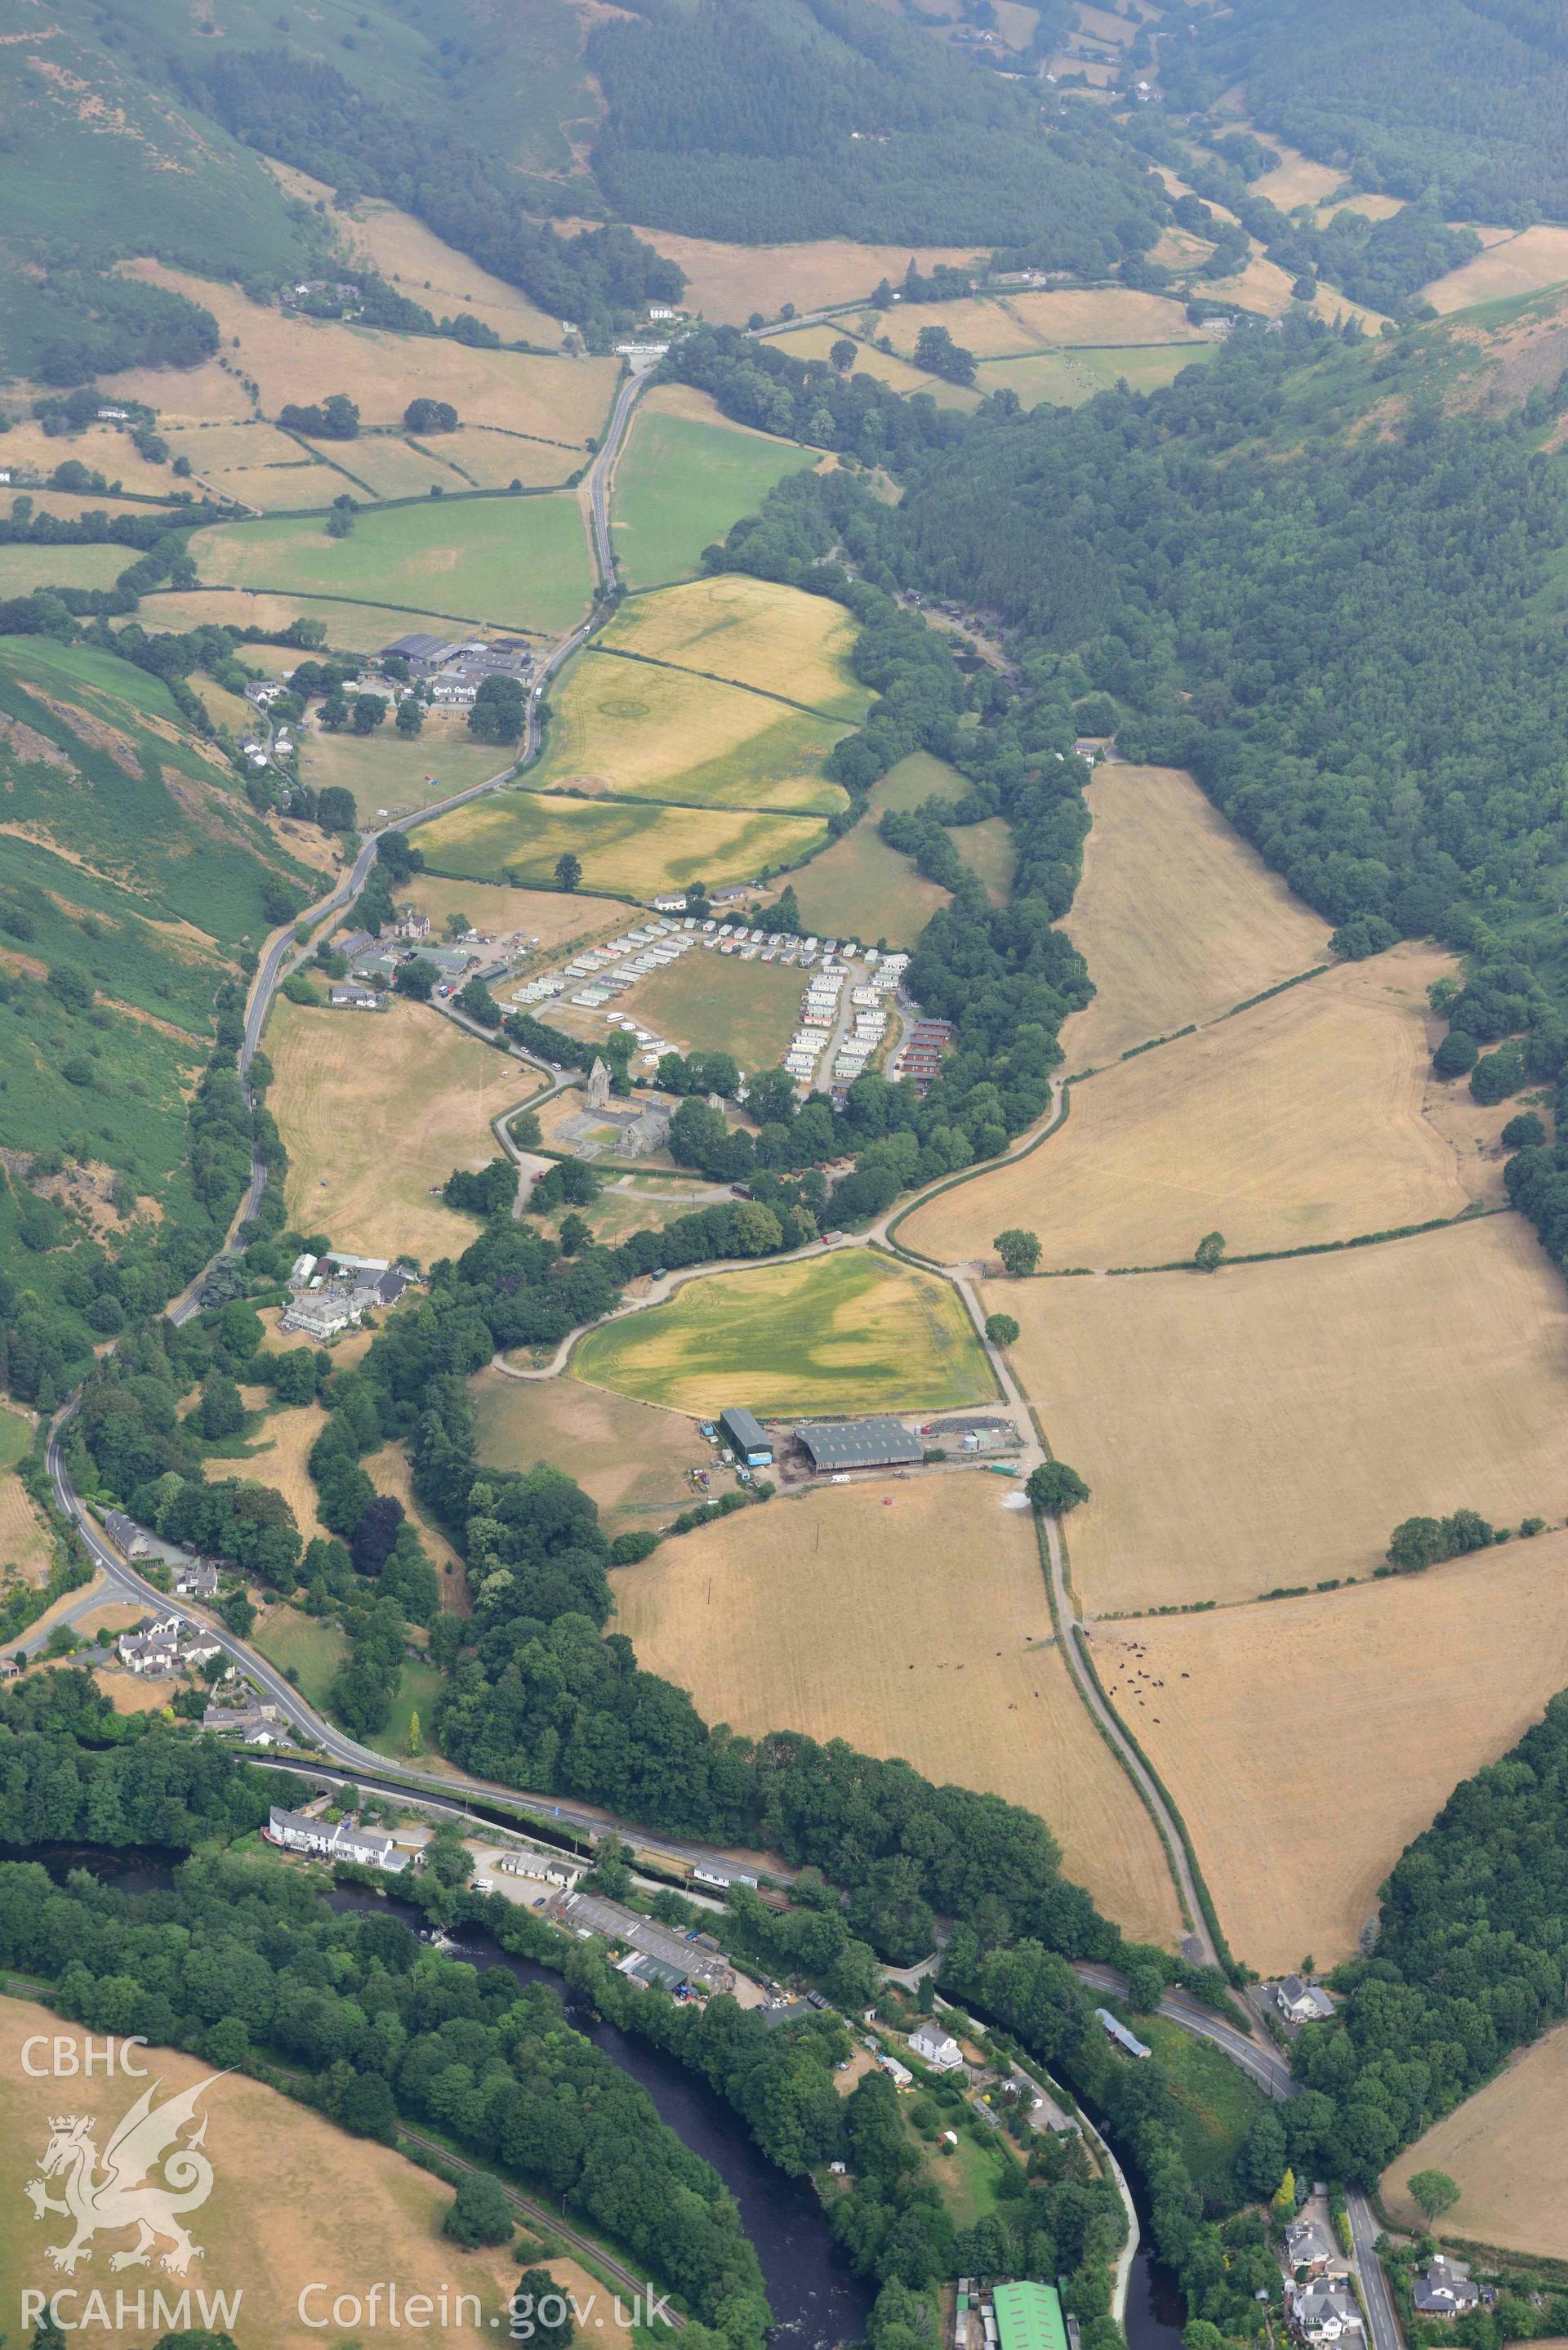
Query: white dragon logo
{"x":125,"y":2197}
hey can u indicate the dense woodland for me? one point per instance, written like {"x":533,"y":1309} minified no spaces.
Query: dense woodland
{"x":764,"y":120}
{"x":1462,"y":104}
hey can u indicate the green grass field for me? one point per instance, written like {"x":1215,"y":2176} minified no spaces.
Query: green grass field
{"x":383,"y":771}
{"x":862,"y":888}
{"x":14,"y":1438}
{"x":919,"y":777}
{"x":987,"y":850}
{"x":628,"y":848}
{"x":682,"y":484}
{"x":518,"y":562}
{"x":1067,"y":377}
{"x":418,"y":1690}
{"x":844,"y":1332}
{"x":1215,"y":2101}
{"x":315,"y":1650}
{"x":22,"y":569}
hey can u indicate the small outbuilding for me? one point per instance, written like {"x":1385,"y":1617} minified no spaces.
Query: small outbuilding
{"x":747,"y":1436}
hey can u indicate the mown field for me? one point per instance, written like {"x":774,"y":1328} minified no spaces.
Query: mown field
{"x":727,"y":282}
{"x":1302,"y":1120}
{"x":288,"y":1638}
{"x":634,"y":731}
{"x":22,"y":569}
{"x":277,"y":1455}
{"x":352,"y":627}
{"x":547,"y":915}
{"x":752,"y":632}
{"x":716,"y":1003}
{"x":686,"y":475}
{"x":1066,"y":378}
{"x":1006,"y":326}
{"x":510,"y":561}
{"x":844,"y":1332}
{"x":296,"y":359}
{"x":910,"y":1619}
{"x":254,"y":461}
{"x":1506,"y":2149}
{"x":1516,"y":264}
{"x":1320,"y":1400}
{"x":375,"y":1108}
{"x":1176,"y":916}
{"x":1385,"y":1696}
{"x":268,"y":2231}
{"x":635,"y":848}
{"x":630,"y":1457}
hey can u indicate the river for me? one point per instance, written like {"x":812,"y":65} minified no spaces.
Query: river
{"x":818,"y":2301}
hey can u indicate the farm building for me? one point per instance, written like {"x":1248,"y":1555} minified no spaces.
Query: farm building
{"x":747,"y":1436}
{"x":1118,"y":2032}
{"x":1029,"y":2318}
{"x":880,"y":1442}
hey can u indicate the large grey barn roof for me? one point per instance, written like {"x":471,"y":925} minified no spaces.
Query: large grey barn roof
{"x":745,"y":1428}
{"x":879,"y":1443}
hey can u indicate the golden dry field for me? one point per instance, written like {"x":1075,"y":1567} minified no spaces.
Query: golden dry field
{"x":1298,"y":179}
{"x":726,"y":283}
{"x":389,"y":1472}
{"x":1271,"y":1424}
{"x":26,"y":567}
{"x":257,"y":463}
{"x":630,"y":1457}
{"x":492,"y":459}
{"x":280,"y":1449}
{"x":267,"y":2230}
{"x":69,"y":503}
{"x":997,"y":326}
{"x":102,"y":448}
{"x":375,"y":1108}
{"x":291,"y":358}
{"x":414,"y":260}
{"x":910,"y":1618}
{"x":351,"y":628}
{"x":23,"y":1544}
{"x":631,"y":730}
{"x":1506,"y":2149}
{"x":846,"y":1331}
{"x":1379,"y":1698}
{"x":547,"y":915}
{"x":1304,"y":1119}
{"x":1178,"y":917}
{"x":1519,"y":264}
{"x":754,"y":632}
{"x":637,"y":848}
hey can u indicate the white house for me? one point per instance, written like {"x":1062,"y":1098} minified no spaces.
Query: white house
{"x":334,"y":1840}
{"x":934,"y":2045}
{"x":1323,"y":2312}
{"x":1303,"y":2002}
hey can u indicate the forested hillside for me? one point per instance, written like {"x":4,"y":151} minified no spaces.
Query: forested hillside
{"x":1337,"y":635}
{"x":773,"y":120}
{"x":1459,"y":103}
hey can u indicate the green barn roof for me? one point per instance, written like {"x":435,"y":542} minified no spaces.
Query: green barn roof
{"x":1029,"y":2318}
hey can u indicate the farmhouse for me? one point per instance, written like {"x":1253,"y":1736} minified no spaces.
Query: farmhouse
{"x":1446,"y":2290}
{"x":1303,"y":2002}
{"x":934,"y":2045}
{"x":747,"y":1436}
{"x":880,"y":1442}
{"x":337,"y":1840}
{"x":1124,"y":2040}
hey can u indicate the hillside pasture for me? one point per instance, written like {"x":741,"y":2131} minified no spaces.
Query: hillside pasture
{"x":685,"y":476}
{"x":1270,"y":1424}
{"x":1297,"y":180}
{"x":635,"y":849}
{"x":297,"y":359}
{"x":414,"y":259}
{"x":1067,"y":377}
{"x":375,"y":1108}
{"x":487,"y":457}
{"x":847,"y":1331}
{"x":25,"y":1543}
{"x":547,"y":916}
{"x":1178,"y":917}
{"x":389,"y":466}
{"x":631,"y":730}
{"x":753,"y":632}
{"x":268,"y":2229}
{"x":352,"y":627}
{"x":910,"y":1618}
{"x":1302,"y":1120}
{"x":1444,"y":1671}
{"x":508,"y":562}
{"x":255,"y":463}
{"x":1506,"y":2149}
{"x":276,"y":1456}
{"x":101,"y":448}
{"x":630,"y":1458}
{"x":1521,"y":264}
